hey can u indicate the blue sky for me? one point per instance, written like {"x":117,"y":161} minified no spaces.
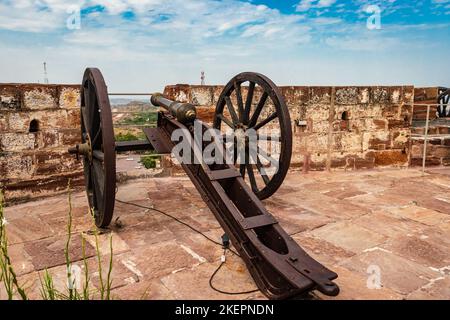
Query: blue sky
{"x":142,"y":45}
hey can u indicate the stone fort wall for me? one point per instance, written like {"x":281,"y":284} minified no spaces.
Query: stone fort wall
{"x":37,"y":125}
{"x":334,"y":127}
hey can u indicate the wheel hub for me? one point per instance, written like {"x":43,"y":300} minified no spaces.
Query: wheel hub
{"x":84,"y":149}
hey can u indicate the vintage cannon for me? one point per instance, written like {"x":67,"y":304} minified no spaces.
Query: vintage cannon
{"x":279,"y":266}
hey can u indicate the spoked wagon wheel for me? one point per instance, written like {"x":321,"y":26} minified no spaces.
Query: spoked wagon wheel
{"x":264,"y":115}
{"x":98,"y":148}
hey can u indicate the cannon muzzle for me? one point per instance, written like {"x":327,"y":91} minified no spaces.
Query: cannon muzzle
{"x":183,"y":112}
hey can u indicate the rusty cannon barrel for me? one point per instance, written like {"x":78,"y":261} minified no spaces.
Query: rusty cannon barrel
{"x":183,"y":112}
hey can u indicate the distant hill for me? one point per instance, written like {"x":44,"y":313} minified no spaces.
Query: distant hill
{"x":122,"y":102}
{"x":132,"y":105}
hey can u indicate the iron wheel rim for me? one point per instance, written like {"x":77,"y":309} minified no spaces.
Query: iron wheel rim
{"x":97,"y":127}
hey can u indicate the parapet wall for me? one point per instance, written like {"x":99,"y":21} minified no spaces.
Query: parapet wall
{"x":336,"y":127}
{"x":37,"y":124}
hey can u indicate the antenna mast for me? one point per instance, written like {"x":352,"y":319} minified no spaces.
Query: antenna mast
{"x":203,"y":78}
{"x":45,"y":73}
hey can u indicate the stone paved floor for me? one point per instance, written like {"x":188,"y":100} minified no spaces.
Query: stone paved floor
{"x":392,"y":221}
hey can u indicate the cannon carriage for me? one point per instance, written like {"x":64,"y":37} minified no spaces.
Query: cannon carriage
{"x":233,"y":187}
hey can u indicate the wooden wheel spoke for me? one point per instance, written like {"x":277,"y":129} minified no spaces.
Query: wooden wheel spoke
{"x":240,"y":103}
{"x":94,"y":114}
{"x":85,"y":119}
{"x":233,"y":114}
{"x":96,"y":137}
{"x":248,"y":103}
{"x":98,"y":182}
{"x":263,"y":137}
{"x":89,"y":179}
{"x":252,"y":179}
{"x":227,"y":138}
{"x":90,"y":187}
{"x":90,"y":110}
{"x":261,"y":170}
{"x":98,"y":155}
{"x":272,"y":117}
{"x":242,"y":170}
{"x":226,"y":121}
{"x":258,"y":109}
{"x":264,"y":154}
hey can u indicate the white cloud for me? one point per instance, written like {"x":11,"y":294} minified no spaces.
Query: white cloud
{"x":305,"y":5}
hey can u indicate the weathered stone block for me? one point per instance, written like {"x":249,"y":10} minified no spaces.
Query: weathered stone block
{"x":318,"y":160}
{"x":320,"y":95}
{"x":69,"y":98}
{"x":436,"y":142}
{"x":337,"y":162}
{"x":319,"y":127}
{"x":3,"y":123}
{"x":429,"y":162}
{"x":50,"y":119}
{"x":206,"y":114}
{"x":364,"y":95}
{"x":395,"y":95}
{"x":347,"y":95}
{"x":380,"y":95}
{"x":375,"y":139}
{"x":50,"y":163}
{"x":406,"y":110}
{"x":17,"y":167}
{"x":10,"y":97}
{"x":48,"y":139}
{"x":202,"y":95}
{"x":370,"y":124}
{"x":341,"y":125}
{"x":446,"y":161}
{"x":181,"y":93}
{"x":443,"y":130}
{"x":424,"y":94}
{"x":316,"y":143}
{"x":69,"y":137}
{"x":342,"y":162}
{"x":347,"y":142}
{"x":390,"y":111}
{"x":38,"y":98}
{"x":389,"y":157}
{"x":73,"y":119}
{"x":440,"y":151}
{"x":380,"y":124}
{"x":400,"y":138}
{"x":217,"y":91}
{"x":361,"y":163}
{"x":295,"y":96}
{"x":368,"y":111}
{"x":317,"y":113}
{"x":392,"y":124}
{"x":14,"y":142}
